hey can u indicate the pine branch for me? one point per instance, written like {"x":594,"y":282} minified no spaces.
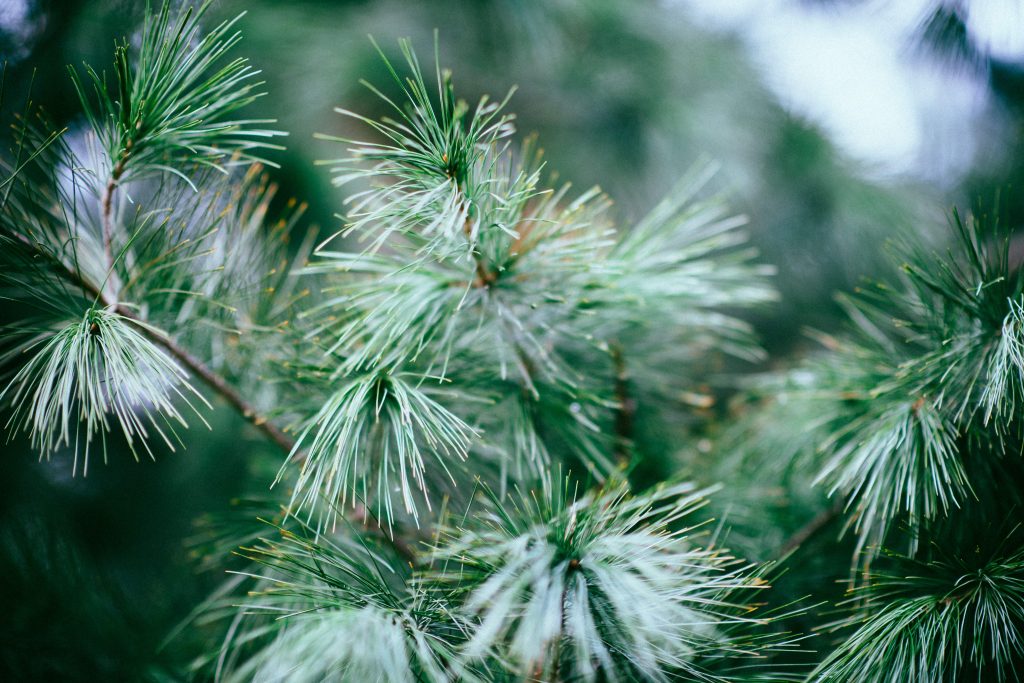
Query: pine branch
{"x":216,"y":382}
{"x":466,"y":247}
{"x":171,"y":106}
{"x":328,"y":607}
{"x":168,"y":112}
{"x":955,"y":614}
{"x":106,"y":222}
{"x":570,"y":586}
{"x":626,"y":405}
{"x":212,"y":379}
{"x":809,"y":531}
{"x":382,"y":413}
{"x":225,"y":390}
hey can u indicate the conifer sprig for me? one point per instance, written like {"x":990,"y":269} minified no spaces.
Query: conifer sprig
{"x":171,"y":103}
{"x":955,"y":615}
{"x":99,"y":370}
{"x":891,"y":452}
{"x":548,"y":585}
{"x":481,"y":278}
{"x":437,"y":156}
{"x":381,"y":428}
{"x":970,"y":299}
{"x":322,"y":608}
{"x":565,"y":585}
{"x":915,"y":408}
{"x":73,"y":252}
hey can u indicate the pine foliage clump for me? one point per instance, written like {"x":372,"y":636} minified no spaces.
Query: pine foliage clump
{"x":914,"y":425}
{"x":457,"y":378}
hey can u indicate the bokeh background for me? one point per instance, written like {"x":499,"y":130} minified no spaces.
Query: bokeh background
{"x":839,"y":125}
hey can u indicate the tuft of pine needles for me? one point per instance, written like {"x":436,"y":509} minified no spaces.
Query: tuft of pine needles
{"x":94,"y":373}
{"x":171,"y":104}
{"x":915,"y":411}
{"x":334,"y":608}
{"x":954,"y":614}
{"x":117,"y":295}
{"x":388,"y":417}
{"x":478,"y":280}
{"x":603,"y":585}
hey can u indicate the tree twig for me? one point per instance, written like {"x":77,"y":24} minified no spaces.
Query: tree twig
{"x":210,"y":377}
{"x":182,"y":355}
{"x":811,"y":529}
{"x":220,"y":385}
{"x":107,"y":226}
{"x":626,"y":409}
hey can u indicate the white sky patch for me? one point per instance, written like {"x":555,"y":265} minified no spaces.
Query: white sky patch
{"x":997,"y":26}
{"x":849,"y":70}
{"x":15,"y":21}
{"x":13,"y":15}
{"x":723,"y":14}
{"x":842,"y":76}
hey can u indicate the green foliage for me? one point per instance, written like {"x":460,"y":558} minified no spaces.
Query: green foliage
{"x":890,"y":452}
{"x":680,"y":265}
{"x":213,"y":266}
{"x":914,"y":417}
{"x":82,"y":377}
{"x":954,"y":615}
{"x":171,"y":104}
{"x":599,"y":586}
{"x":334,"y":608}
{"x":605,"y":586}
{"x":453,"y":350}
{"x":971,"y":301}
{"x":112,"y":288}
{"x":914,"y":409}
{"x":386,"y":416}
{"x":471,"y":329}
{"x":440,"y":161}
{"x":480,"y":279}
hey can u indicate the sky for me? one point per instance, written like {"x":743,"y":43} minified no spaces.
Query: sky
{"x":852,"y":68}
{"x":858,"y":71}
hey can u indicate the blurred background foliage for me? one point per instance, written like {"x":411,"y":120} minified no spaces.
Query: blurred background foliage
{"x":627,"y":95}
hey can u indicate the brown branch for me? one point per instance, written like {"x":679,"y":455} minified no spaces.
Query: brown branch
{"x":810,"y":530}
{"x":182,"y":355}
{"x":194,"y":365}
{"x":626,"y":409}
{"x":217,"y":383}
{"x":106,"y":204}
{"x":485,"y":277}
{"x":209,"y":376}
{"x":107,"y":227}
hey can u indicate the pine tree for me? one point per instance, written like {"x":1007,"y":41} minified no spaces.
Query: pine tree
{"x":458,"y":380}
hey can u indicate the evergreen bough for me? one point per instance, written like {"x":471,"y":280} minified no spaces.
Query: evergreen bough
{"x":455,"y":378}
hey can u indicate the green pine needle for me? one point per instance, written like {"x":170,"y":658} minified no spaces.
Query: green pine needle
{"x":334,"y":608}
{"x":172,"y":101}
{"x":943,"y":619}
{"x":376,"y":434}
{"x":599,"y":586}
{"x":910,"y":406}
{"x":92,"y":375}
